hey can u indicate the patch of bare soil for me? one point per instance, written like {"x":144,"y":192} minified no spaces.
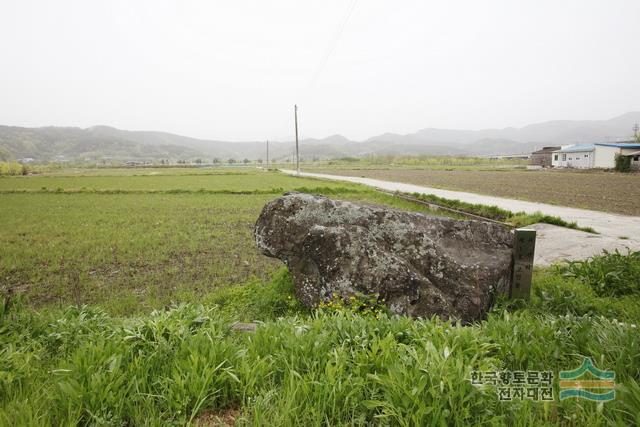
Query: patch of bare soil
{"x":225,"y":417}
{"x":597,"y":190}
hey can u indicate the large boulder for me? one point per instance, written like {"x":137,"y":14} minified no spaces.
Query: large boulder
{"x":420,"y":265}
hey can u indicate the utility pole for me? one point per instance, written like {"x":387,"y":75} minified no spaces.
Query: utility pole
{"x":267,"y":154}
{"x":295,"y":113}
{"x":636,"y":128}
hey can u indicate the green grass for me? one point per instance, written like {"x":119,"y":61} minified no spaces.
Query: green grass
{"x":117,"y":304}
{"x":611,"y":274}
{"x":82,"y":366}
{"x":205,"y":179}
{"x":132,"y":250}
{"x":558,"y":294}
{"x":421,"y":162}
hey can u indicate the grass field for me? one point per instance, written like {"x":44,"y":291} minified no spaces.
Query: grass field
{"x":86,"y":260}
{"x":423,"y":162}
{"x":137,"y":242}
{"x":158,"y":179}
{"x":605,"y":191}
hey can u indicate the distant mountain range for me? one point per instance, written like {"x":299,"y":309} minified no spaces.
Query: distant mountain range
{"x":103,"y":142}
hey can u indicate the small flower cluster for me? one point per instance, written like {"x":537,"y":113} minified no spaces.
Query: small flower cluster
{"x":361,"y":304}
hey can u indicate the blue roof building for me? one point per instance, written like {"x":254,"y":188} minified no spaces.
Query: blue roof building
{"x":597,"y":155}
{"x":576,"y":148}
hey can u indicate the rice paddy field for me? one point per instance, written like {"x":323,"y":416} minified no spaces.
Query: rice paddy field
{"x":139,"y":241}
{"x":119,"y":289}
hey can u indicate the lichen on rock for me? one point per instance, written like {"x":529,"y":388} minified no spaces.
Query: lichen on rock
{"x":420,"y":265}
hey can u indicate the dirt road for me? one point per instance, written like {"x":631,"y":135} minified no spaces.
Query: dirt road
{"x":620,"y":232}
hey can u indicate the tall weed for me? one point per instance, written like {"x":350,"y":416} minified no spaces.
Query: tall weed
{"x":609,"y":274}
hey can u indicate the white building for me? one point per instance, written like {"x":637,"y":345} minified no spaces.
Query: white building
{"x":586,"y":156}
{"x":574,"y":156}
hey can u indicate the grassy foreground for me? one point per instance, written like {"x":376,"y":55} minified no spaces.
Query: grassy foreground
{"x":185,"y":364}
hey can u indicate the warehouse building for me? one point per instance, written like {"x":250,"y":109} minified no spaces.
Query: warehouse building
{"x":599,"y":155}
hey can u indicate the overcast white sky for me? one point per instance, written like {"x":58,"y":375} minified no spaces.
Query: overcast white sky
{"x":233,"y":69}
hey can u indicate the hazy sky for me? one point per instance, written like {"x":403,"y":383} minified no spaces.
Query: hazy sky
{"x":233,"y":69}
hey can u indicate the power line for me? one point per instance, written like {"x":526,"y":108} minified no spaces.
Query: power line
{"x":331,"y":47}
{"x":333,"y":43}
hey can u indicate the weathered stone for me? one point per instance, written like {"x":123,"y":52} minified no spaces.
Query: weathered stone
{"x":244,"y":327}
{"x":420,"y":265}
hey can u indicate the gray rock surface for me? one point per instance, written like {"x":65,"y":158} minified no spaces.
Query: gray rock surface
{"x":420,"y":265}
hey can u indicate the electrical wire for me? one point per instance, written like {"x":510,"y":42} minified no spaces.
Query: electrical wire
{"x":333,"y":43}
{"x":330,"y":49}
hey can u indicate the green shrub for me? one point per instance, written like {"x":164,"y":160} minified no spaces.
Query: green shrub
{"x":623,"y":163}
{"x":13,"y":168}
